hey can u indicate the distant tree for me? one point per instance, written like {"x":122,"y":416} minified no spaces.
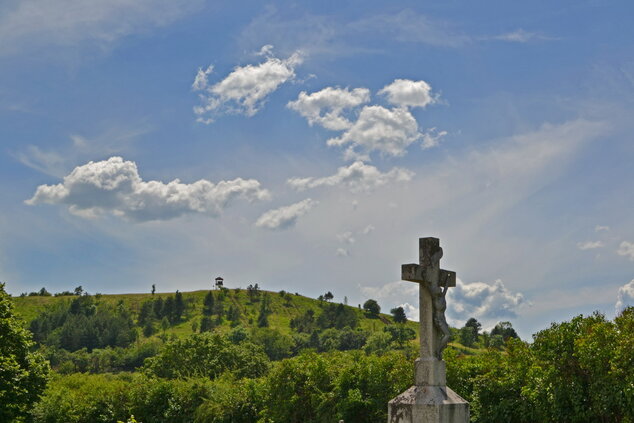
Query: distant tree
{"x":253,"y":292}
{"x":148,"y":329}
{"x":179,"y":307}
{"x":345,"y":300}
{"x":79,"y":290}
{"x":206,"y":324}
{"x":328,"y":296}
{"x":320,"y":298}
{"x":238,"y":334}
{"x":158,"y":307}
{"x":304,"y":323}
{"x":153,"y":289}
{"x":337,"y":316}
{"x":378,"y":343}
{"x":263,"y":316}
{"x":372,"y":308}
{"x":400,"y":334}
{"x":282,"y":293}
{"x":208,"y":304}
{"x":23,"y":373}
{"x":194,"y":325}
{"x":467,"y":336}
{"x":146,"y":313}
{"x":505,"y":329}
{"x":168,"y":308}
{"x":165,"y":324}
{"x":398,"y":315}
{"x":496,"y":341}
{"x":473,"y":323}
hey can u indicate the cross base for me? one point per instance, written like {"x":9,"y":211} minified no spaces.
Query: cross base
{"x":428,"y":404}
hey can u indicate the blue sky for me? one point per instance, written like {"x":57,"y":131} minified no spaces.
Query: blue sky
{"x":307,"y":147}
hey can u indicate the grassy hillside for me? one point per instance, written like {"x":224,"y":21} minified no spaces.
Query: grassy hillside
{"x":283,"y":307}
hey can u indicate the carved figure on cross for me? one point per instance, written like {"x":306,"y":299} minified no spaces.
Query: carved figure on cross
{"x":434,"y":283}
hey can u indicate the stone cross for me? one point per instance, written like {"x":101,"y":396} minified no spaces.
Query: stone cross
{"x":430,"y":400}
{"x":434,"y":282}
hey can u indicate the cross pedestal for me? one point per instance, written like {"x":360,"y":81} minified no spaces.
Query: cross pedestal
{"x":430,"y":400}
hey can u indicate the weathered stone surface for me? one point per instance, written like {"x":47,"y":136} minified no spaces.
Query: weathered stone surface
{"x":423,"y":404}
{"x":430,"y":372}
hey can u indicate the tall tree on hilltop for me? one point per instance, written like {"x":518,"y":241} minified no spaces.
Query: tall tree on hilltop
{"x":372,"y":308}
{"x":208,"y":304}
{"x":398,"y":315}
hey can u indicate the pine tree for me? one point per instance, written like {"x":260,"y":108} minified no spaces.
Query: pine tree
{"x":208,"y":304}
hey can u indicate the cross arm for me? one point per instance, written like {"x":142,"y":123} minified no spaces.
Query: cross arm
{"x":415,"y":273}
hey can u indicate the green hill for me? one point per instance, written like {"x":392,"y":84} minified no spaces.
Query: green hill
{"x":283,"y":307}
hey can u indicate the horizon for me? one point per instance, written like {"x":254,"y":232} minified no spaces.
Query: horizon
{"x":306,"y":148}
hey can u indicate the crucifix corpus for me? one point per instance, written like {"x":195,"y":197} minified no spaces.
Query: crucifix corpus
{"x":430,"y":400}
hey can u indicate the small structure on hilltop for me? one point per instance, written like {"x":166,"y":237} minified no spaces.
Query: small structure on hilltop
{"x":219,"y":282}
{"x":430,"y":400}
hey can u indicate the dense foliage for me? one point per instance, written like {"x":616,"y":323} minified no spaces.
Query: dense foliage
{"x":22,"y":373}
{"x":84,"y":323}
{"x":576,"y":371}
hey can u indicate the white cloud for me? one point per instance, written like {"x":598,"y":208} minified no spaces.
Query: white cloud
{"x":346,"y":238}
{"x":342,"y":252}
{"x":326,"y":107}
{"x":431,"y":138}
{"x":626,"y":249}
{"x":114,"y":186}
{"x":408,"y":93}
{"x":600,"y":228}
{"x":483,"y":301}
{"x":488,"y":303}
{"x":590,"y":245}
{"x":357,"y":177}
{"x":34,"y":23}
{"x":389,"y":131}
{"x":285,"y":217}
{"x":368,"y":229}
{"x":201,"y":80}
{"x":519,"y":36}
{"x":625,"y":297}
{"x":246,"y":88}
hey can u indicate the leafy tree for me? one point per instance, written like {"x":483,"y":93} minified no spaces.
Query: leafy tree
{"x":328,"y":296}
{"x":153,"y":289}
{"x":372,"y":308}
{"x":337,"y":316}
{"x":23,"y":373}
{"x":206,"y":324}
{"x":276,"y":345}
{"x":467,"y":336}
{"x":79,"y":290}
{"x":473,"y":323}
{"x":263,"y":316}
{"x":378,"y":343}
{"x":158,"y":307}
{"x":179,"y":307}
{"x":398,"y":315}
{"x":505,"y":329}
{"x":304,"y":323}
{"x":207,"y":355}
{"x":400,"y":334}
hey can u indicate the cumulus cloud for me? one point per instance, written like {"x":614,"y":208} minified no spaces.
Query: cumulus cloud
{"x":626,"y":249}
{"x":487,"y":302}
{"x":388,"y":131}
{"x":408,"y":93}
{"x":346,"y":237}
{"x":431,"y":138}
{"x":590,"y":245}
{"x":600,"y":228}
{"x":357,"y":177}
{"x":285,"y":217}
{"x":326,"y":107}
{"x":246,"y":88}
{"x":625,"y":297}
{"x":115,"y":186}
